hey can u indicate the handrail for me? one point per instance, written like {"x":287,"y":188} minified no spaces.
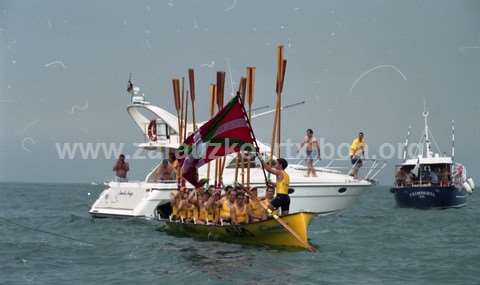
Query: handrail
{"x":377,"y":165}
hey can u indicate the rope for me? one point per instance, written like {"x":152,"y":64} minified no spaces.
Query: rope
{"x":45,"y":232}
{"x":435,"y":142}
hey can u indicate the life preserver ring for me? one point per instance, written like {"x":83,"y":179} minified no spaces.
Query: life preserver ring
{"x":152,"y":130}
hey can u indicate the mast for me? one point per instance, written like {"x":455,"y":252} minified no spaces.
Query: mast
{"x":405,"y":145}
{"x":427,"y":138}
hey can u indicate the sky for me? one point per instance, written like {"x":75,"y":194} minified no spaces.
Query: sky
{"x":359,"y":65}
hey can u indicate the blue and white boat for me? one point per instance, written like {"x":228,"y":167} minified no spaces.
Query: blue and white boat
{"x":431,"y":180}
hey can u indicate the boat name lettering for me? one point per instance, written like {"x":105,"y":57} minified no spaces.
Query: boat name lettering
{"x":422,"y":193}
{"x":129,"y":193}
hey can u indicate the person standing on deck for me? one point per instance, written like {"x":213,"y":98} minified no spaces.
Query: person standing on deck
{"x":281,"y":200}
{"x":310,"y":142}
{"x":357,"y":151}
{"x":121,"y":168}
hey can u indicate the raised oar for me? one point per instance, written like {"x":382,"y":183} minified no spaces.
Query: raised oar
{"x":279,"y":129}
{"x":212,"y":111}
{"x":250,"y":94}
{"x":191,"y":79}
{"x":182,"y":110}
{"x":186,"y":118}
{"x":220,"y":88}
{"x":220,"y":100}
{"x":241,"y":92}
{"x":243,"y":87}
{"x":176,"y":95}
{"x":276,"y":217}
{"x":280,"y":52}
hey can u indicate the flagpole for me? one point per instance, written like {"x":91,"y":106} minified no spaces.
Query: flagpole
{"x":275,"y":216}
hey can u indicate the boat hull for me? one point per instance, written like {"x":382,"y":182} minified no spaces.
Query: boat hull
{"x":430,"y":197}
{"x":142,"y":199}
{"x":263,"y":233}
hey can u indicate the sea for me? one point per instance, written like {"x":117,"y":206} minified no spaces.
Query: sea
{"x":48,"y":237}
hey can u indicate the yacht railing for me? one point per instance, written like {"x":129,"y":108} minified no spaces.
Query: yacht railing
{"x":371,"y":167}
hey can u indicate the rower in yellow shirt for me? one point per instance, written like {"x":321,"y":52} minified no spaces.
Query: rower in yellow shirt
{"x":281,"y":200}
{"x":255,"y":210}
{"x":239,"y":211}
{"x":357,"y":151}
{"x":226,"y":207}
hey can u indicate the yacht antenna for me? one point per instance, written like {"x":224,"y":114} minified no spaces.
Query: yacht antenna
{"x":405,"y":145}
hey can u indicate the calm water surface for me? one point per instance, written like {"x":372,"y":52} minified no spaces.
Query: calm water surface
{"x":372,"y":243}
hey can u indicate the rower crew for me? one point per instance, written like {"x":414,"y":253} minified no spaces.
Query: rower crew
{"x":208,"y":207}
{"x":281,"y":200}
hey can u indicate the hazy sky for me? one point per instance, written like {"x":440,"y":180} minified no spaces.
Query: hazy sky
{"x":64,"y":66}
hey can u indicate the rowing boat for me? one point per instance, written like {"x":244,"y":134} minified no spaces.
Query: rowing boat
{"x":268,"y":232}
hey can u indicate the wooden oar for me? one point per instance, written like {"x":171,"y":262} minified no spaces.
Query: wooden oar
{"x":220,"y":100}
{"x":186,"y":118}
{"x":279,"y":128}
{"x":280,"y":53}
{"x":212,"y":111}
{"x":241,"y":92}
{"x":250,"y":94}
{"x":176,"y":95}
{"x":276,"y":217}
{"x":191,"y":79}
{"x":182,"y":110}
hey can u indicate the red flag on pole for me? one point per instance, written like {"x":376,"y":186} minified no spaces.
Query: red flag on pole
{"x":227,"y":132}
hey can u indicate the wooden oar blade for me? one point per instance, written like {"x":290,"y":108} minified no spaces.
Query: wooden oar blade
{"x":213,"y":96}
{"x":250,"y":84}
{"x":280,"y":55}
{"x":243,"y":88}
{"x":191,"y":79}
{"x":220,"y":88}
{"x":176,"y":93}
{"x":284,"y":68}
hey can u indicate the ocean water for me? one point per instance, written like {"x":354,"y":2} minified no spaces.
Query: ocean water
{"x":372,"y":243}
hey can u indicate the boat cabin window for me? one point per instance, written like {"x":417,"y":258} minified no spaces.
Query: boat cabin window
{"x":163,"y":131}
{"x":423,"y":175}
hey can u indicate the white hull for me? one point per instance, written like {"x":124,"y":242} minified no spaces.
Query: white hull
{"x":328,"y":193}
{"x":140,"y":199}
